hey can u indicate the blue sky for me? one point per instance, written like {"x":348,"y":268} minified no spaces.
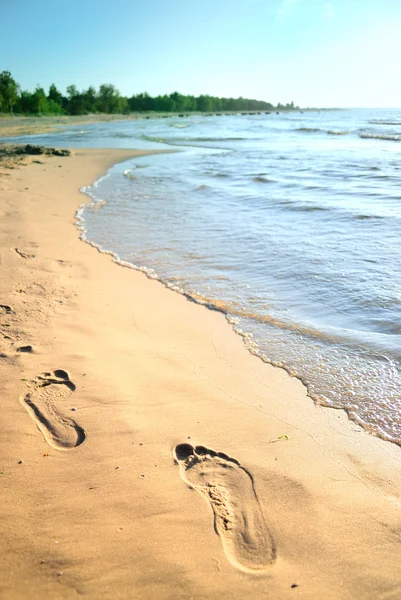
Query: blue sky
{"x":314,"y":52}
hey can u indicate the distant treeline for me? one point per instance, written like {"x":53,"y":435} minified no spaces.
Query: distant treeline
{"x":107,"y":99}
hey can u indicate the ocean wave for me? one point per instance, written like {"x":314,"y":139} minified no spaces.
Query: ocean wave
{"x":188,"y":140}
{"x":262,"y":179}
{"x":120,"y":135}
{"x":215,"y":139}
{"x":334,"y":132}
{"x":149,"y":138}
{"x":344,"y":337}
{"x":317,"y":129}
{"x":74,"y":132}
{"x":218,"y":175}
{"x":221,"y":175}
{"x":179,"y":125}
{"x":308,"y":129}
{"x":362,"y":217}
{"x":306,"y":208}
{"x":379,"y":122}
{"x":128,"y":173}
{"x":291,"y":206}
{"x":386,"y":326}
{"x":376,"y":136}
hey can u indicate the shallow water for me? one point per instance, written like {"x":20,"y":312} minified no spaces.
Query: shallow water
{"x":289,"y":223}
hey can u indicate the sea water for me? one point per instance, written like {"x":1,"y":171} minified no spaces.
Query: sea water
{"x":289,"y":223}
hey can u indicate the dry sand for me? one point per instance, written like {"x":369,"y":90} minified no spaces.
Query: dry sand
{"x":145,"y":453}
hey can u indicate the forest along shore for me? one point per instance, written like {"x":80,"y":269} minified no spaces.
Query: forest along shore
{"x":144,"y":450}
{"x":108,"y":99}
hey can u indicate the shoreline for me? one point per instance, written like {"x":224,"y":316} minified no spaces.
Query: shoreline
{"x":252,"y":349}
{"x":251,"y":344}
{"x":24,"y":125}
{"x":151,"y":372}
{"x":18,"y":126}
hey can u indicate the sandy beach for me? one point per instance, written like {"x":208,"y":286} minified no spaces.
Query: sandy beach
{"x":145,"y":453}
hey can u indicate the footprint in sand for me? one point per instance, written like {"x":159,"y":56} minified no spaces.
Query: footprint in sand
{"x":47,"y":391}
{"x":23,"y":254}
{"x":238,"y":518}
{"x":4,"y":308}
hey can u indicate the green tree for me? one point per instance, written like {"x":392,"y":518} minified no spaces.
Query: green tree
{"x":55,"y":95}
{"x":39,"y":101}
{"x":190,"y":103}
{"x":178,"y":102}
{"x":54,"y":101}
{"x":108,"y":99}
{"x":75,"y":104}
{"x":54,"y":108}
{"x":9,"y":89}
{"x":142,"y":102}
{"x":123,"y":106}
{"x":24,"y":103}
{"x":90,"y":100}
{"x":204,"y":104}
{"x":163,"y":103}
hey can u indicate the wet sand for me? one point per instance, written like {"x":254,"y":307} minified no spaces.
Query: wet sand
{"x":12,"y":126}
{"x":145,"y":453}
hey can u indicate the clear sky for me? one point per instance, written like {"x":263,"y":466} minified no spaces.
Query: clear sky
{"x":314,"y":52}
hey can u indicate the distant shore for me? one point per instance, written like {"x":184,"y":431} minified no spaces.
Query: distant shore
{"x":19,"y":125}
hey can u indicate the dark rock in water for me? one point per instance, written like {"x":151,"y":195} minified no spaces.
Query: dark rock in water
{"x":29,"y":149}
{"x":35,"y":150}
{"x":12,"y":155}
{"x":60,"y":152}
